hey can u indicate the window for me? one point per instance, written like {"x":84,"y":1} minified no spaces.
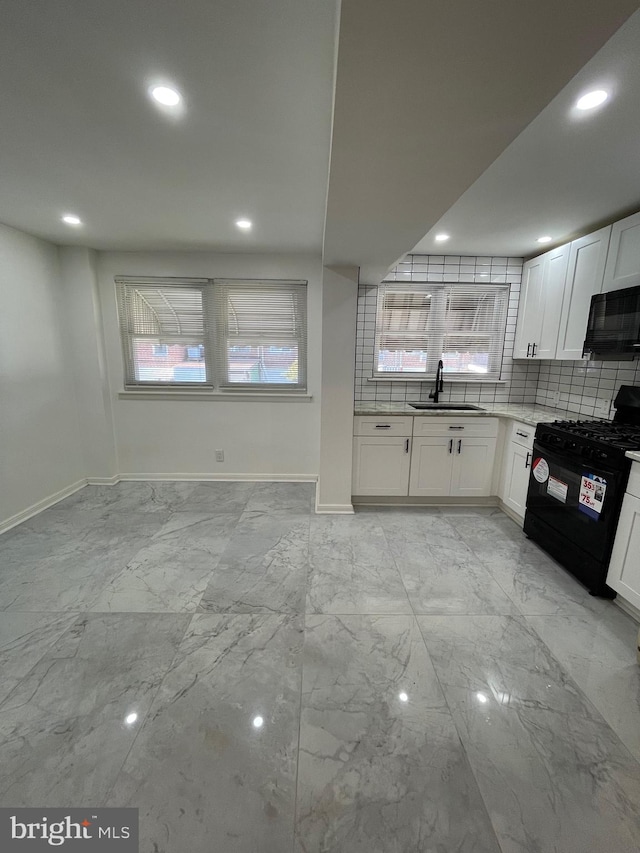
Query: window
{"x":462,"y":324}
{"x":226,"y":334}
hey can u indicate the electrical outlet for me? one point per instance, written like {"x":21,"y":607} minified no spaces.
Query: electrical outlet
{"x":219,"y":455}
{"x":602,"y":408}
{"x":555,"y":398}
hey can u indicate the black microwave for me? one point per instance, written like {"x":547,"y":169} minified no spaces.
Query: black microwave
{"x":614,"y":322}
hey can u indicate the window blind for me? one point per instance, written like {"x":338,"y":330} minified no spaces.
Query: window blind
{"x":261,"y":333}
{"x":462,"y":324}
{"x":164,"y":331}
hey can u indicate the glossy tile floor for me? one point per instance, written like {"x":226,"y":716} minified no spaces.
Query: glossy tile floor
{"x":258,"y":679}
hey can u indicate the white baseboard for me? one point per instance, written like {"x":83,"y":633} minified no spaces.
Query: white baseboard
{"x":103,"y":481}
{"x":404,"y":500}
{"x":45,"y":503}
{"x":628,"y":608}
{"x":207,"y":477}
{"x":336,"y":509}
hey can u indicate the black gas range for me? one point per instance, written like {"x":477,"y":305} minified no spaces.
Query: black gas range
{"x":579,"y":473}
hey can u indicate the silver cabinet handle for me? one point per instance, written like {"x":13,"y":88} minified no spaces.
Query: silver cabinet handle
{"x":528,"y":348}
{"x":406,"y":446}
{"x":383,"y":426}
{"x":450,"y":445}
{"x":456,"y":427}
{"x":523,"y":434}
{"x":459,"y":445}
{"x":528,"y":460}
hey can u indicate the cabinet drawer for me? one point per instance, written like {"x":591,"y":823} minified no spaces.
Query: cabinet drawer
{"x":455,"y":427}
{"x":375,"y":425}
{"x":522,"y":434}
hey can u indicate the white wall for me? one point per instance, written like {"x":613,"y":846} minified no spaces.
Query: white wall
{"x":39,"y":434}
{"x":339,"y":298}
{"x":156,"y":437}
{"x":86,"y":340}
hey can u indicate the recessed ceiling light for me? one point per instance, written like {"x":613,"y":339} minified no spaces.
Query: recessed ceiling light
{"x":71,"y":219}
{"x":245,"y":224}
{"x":545,"y":239}
{"x":592,"y":99}
{"x":258,"y":722}
{"x":403,"y":697}
{"x":440,"y":238}
{"x":166,"y":96}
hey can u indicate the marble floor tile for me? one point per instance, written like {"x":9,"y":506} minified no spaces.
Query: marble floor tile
{"x":282,"y":497}
{"x":541,"y":586}
{"x":64,"y":581}
{"x":24,"y":639}
{"x":170,"y":573}
{"x":553,"y":774}
{"x":449,"y":578}
{"x":217,"y":497}
{"x":184,"y":603}
{"x":264,"y":567}
{"x":381,"y":766}
{"x":346,"y":586}
{"x":63,"y":729}
{"x":355,"y":538}
{"x":214,"y":766}
{"x":598,"y":652}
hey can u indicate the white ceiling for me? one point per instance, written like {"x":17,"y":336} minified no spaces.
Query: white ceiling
{"x":427,"y":96}
{"x":80,"y":134}
{"x":565,"y":174}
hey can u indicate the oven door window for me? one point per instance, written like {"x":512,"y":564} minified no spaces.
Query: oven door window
{"x":578,"y":498}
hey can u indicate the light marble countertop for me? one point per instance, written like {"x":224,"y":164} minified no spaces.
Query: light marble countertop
{"x":528,"y":413}
{"x":633,"y":454}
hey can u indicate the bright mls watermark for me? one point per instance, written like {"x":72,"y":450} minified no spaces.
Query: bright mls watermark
{"x":80,"y":830}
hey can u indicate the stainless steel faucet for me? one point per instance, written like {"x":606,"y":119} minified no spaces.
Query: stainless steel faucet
{"x":439,"y":383}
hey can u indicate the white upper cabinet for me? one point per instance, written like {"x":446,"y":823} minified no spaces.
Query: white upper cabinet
{"x":541,"y":296}
{"x":587,"y":259}
{"x":623,"y":261}
{"x":553,"y":281}
{"x":530,"y":308}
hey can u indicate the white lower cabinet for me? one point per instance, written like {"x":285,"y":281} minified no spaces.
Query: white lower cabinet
{"x":516,"y":465}
{"x":516,"y":478}
{"x":453,"y":464}
{"x":431,"y":466}
{"x":624,"y":568}
{"x":423,"y":457}
{"x":381,"y":465}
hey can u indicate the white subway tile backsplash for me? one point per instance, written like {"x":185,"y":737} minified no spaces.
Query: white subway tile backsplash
{"x":582,"y":385}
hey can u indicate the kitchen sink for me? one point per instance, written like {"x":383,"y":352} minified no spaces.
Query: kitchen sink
{"x":452,"y":407}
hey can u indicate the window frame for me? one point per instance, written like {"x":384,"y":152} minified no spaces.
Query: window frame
{"x":436,"y":319}
{"x":212,"y":341}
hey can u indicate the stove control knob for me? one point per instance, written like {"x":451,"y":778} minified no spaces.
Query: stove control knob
{"x":600,"y":454}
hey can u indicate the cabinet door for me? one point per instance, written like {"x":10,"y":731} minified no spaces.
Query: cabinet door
{"x":516,"y":477}
{"x":553,"y":281}
{"x":381,"y":465}
{"x":623,"y":260}
{"x":431,"y":461}
{"x":624,"y":569}
{"x":587,"y":259}
{"x":472,"y":467}
{"x":530,"y":308}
